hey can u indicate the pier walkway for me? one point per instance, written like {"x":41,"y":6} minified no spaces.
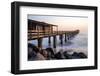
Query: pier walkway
{"x":39,"y":30}
{"x":66,"y":35}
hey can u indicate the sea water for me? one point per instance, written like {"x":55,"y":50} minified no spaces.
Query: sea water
{"x":78,"y":44}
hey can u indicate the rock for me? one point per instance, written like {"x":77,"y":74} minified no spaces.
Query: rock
{"x":78,"y":55}
{"x":50,"y":52}
{"x":67,"y":56}
{"x":31,"y":56}
{"x":34,"y":48}
{"x":44,"y":53}
{"x":31,"y":53}
{"x":34,"y":53}
{"x":75,"y":54}
{"x":82,"y":55}
{"x":58,"y":55}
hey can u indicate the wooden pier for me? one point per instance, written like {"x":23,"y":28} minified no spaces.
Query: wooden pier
{"x":39,"y":30}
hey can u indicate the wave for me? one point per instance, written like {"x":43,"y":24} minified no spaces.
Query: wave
{"x":78,"y":44}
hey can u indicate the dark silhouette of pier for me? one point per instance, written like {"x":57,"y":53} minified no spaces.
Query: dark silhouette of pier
{"x":39,"y":30}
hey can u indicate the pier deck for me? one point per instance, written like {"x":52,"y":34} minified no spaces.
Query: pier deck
{"x":39,"y":30}
{"x":36,"y":35}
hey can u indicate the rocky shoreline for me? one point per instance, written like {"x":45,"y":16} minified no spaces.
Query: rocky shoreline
{"x":35,"y":53}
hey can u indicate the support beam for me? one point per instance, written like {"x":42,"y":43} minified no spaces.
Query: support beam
{"x":39,"y":42}
{"x":57,"y":29}
{"x":61,"y":39}
{"x":49,"y":40}
{"x":68,"y":37}
{"x":54,"y":41}
{"x":65,"y":38}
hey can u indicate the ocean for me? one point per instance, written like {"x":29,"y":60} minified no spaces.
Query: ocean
{"x":78,"y":44}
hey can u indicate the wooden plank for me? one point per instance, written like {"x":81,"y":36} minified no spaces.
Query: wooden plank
{"x":42,"y":35}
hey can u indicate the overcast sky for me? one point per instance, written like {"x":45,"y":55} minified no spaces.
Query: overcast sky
{"x":64,"y":23}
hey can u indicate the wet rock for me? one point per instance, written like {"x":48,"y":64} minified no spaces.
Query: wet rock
{"x":58,"y":55}
{"x":44,"y":53}
{"x":67,"y":56}
{"x":32,"y":51}
{"x":75,"y":54}
{"x":82,"y":55}
{"x":50,"y":52}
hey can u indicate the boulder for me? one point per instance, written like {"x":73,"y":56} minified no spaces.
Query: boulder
{"x":82,"y":55}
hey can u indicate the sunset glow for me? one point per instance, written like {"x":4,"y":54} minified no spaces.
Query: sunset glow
{"x":64,"y":23}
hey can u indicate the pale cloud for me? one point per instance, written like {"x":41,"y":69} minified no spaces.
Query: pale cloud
{"x":64,"y":23}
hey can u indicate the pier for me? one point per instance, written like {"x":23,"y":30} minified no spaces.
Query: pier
{"x":39,"y":30}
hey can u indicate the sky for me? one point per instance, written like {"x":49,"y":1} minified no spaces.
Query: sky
{"x":65,"y":23}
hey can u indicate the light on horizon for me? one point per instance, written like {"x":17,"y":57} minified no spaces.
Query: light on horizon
{"x":64,"y":23}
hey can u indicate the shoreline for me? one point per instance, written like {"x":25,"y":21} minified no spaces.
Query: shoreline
{"x":50,"y":54}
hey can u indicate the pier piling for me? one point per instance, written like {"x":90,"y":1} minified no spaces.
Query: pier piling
{"x":61,"y":39}
{"x":49,"y":40}
{"x":65,"y":38}
{"x":40,"y":42}
{"x":54,"y":41}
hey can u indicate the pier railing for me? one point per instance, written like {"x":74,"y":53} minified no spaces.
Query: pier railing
{"x":66,"y":35}
{"x":35,"y":35}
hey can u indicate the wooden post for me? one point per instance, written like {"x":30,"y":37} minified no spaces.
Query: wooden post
{"x":61,"y":39}
{"x":68,"y":37}
{"x":49,"y":40}
{"x":65,"y":38}
{"x":54,"y":41}
{"x":57,"y":30}
{"x":40,"y":42}
{"x":43,"y":30}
